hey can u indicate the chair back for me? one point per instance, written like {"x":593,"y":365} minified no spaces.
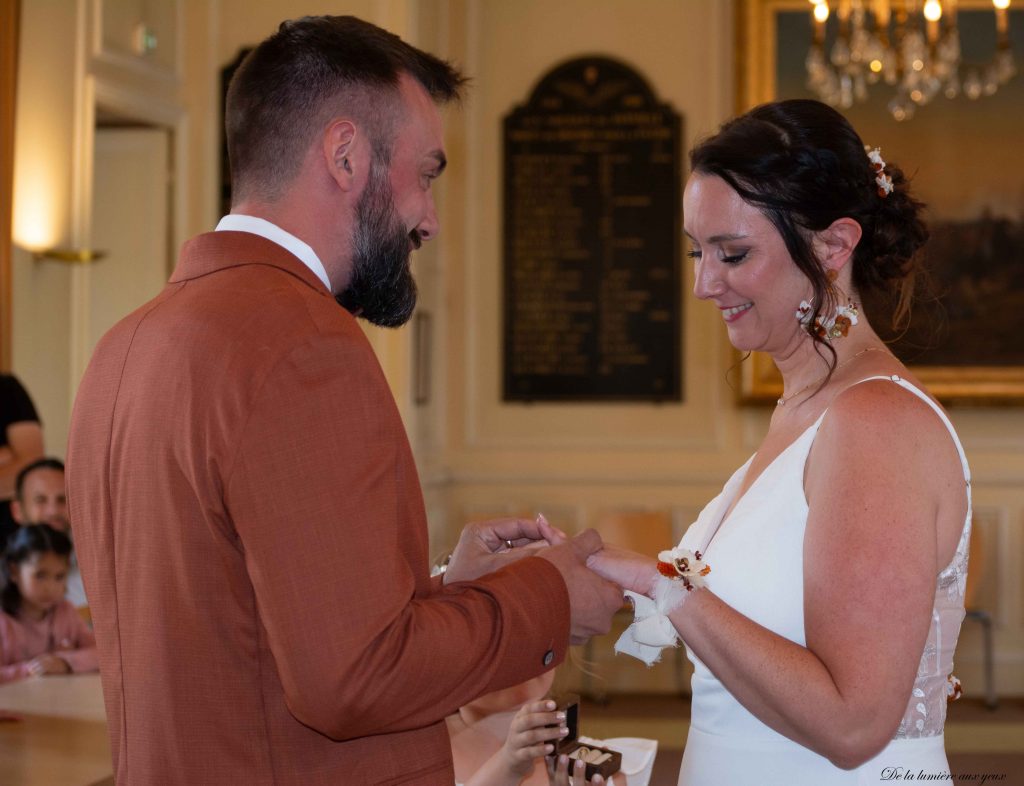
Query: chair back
{"x":643,"y":531}
{"x":976,"y":565}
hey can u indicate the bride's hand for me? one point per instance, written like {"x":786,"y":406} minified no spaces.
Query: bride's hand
{"x":626,"y":568}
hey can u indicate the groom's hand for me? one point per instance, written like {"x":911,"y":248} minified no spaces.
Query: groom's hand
{"x":486,"y":546}
{"x":592,"y":600}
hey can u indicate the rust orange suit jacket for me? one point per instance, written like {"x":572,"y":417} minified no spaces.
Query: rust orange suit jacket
{"x":252,"y":538}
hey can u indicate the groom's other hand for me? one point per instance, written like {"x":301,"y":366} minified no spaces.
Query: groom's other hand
{"x":486,"y":546}
{"x":592,"y":600}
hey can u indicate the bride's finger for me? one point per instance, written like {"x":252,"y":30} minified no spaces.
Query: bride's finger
{"x":551,"y":534}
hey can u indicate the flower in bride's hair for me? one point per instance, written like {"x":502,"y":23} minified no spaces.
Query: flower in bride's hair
{"x":683,"y":565}
{"x":882,"y":180}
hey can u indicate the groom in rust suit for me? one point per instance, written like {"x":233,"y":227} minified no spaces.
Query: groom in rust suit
{"x":247,"y":513}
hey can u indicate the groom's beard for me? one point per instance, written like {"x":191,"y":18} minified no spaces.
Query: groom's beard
{"x":382,"y":289}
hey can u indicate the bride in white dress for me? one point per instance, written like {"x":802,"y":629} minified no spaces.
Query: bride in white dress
{"x":823,"y":639}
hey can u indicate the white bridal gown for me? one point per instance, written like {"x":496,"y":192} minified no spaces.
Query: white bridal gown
{"x":727,"y":745}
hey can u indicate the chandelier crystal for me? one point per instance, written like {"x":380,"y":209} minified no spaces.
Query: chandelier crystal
{"x":912,"y":46}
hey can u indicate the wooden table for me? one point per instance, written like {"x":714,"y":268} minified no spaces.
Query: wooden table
{"x":62,"y":737}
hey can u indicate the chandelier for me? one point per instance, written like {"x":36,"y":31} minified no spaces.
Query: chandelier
{"x":912,"y":46}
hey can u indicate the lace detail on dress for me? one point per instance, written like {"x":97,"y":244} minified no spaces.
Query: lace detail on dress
{"x":954,"y":578}
{"x":925,"y":715}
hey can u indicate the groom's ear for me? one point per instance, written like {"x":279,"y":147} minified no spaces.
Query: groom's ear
{"x":344,"y":154}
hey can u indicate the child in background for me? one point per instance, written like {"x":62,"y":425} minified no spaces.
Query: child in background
{"x":40,"y":632}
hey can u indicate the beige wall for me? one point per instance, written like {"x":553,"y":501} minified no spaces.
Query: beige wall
{"x":477,"y":454}
{"x":45,"y":154}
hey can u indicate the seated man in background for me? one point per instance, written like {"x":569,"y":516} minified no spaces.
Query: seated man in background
{"x":40,"y":498}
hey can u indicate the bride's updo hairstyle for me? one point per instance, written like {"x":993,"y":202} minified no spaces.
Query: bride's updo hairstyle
{"x":802,"y":164}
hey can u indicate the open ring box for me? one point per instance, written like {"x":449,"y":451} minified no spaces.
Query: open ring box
{"x":600,"y":761}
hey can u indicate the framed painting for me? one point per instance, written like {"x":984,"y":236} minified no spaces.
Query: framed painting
{"x":965,"y":158}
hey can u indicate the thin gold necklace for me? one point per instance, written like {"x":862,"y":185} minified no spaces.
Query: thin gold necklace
{"x":782,"y":401}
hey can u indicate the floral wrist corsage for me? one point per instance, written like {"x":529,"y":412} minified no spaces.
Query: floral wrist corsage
{"x":683,"y":565}
{"x":680,"y":572}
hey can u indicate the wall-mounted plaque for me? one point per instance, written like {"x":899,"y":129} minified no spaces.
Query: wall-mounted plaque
{"x":592,"y":234}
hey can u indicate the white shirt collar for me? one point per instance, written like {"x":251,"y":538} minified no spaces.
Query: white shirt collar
{"x":259,"y":226}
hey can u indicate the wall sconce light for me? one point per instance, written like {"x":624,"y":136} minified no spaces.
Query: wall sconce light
{"x":82,"y":256}
{"x":42,"y":220}
{"x":51,"y":138}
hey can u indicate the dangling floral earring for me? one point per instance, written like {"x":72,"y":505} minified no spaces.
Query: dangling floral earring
{"x":846,"y":317}
{"x":837,"y":326}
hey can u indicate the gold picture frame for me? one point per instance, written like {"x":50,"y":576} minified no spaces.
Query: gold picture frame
{"x":759,"y":71}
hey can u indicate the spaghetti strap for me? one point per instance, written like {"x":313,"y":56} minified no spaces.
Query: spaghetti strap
{"x":935,"y":407}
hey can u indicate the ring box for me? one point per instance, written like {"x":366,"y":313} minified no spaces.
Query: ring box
{"x":600,"y":761}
